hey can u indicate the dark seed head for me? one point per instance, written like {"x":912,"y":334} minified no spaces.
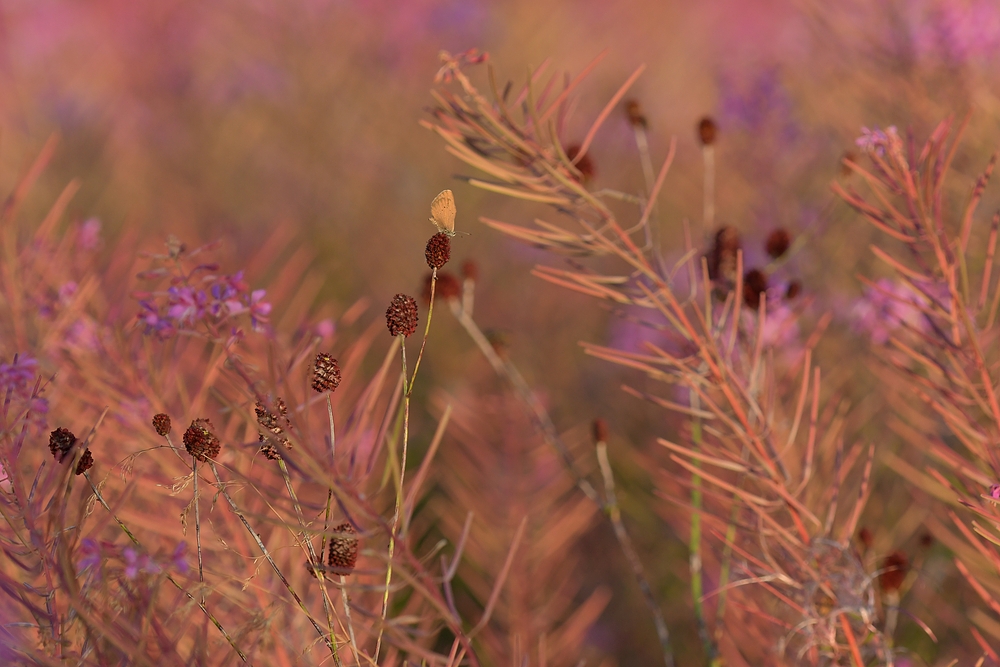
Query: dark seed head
{"x":448,"y":287}
{"x":865,"y":537}
{"x":438,"y":250}
{"x":326,"y":373}
{"x":470,"y":270}
{"x":61,"y":441}
{"x":794,"y":289}
{"x":636,"y":117}
{"x":846,"y":169}
{"x":754,"y":284}
{"x":401,"y":315}
{"x":600,"y":430}
{"x":777,"y":243}
{"x":707,"y":131}
{"x":86,"y":462}
{"x":584,"y":165}
{"x":343,"y":549}
{"x":161,"y":423}
{"x":894,"y":569}
{"x":200,"y":442}
{"x":721,"y":257}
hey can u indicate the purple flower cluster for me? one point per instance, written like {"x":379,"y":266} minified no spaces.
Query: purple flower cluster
{"x":96,"y":555}
{"x":17,"y":384}
{"x":877,"y":141}
{"x":216,"y":300}
{"x":889,"y":306}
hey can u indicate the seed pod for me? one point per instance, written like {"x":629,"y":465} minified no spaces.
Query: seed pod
{"x":777,"y":243}
{"x":86,"y":462}
{"x":401,"y":315}
{"x":161,"y":422}
{"x":438,"y":250}
{"x":584,"y":165}
{"x":343,"y":549}
{"x":326,"y":373}
{"x":200,"y":442}
{"x":707,"y":131}
{"x":600,"y":430}
{"x":61,"y":441}
{"x":754,"y":284}
{"x":636,"y":117}
{"x":894,"y":569}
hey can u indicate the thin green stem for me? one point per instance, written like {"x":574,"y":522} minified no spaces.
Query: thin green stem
{"x":694,"y":546}
{"x":399,"y":487}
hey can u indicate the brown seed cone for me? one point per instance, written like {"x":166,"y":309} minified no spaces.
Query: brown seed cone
{"x":326,"y":373}
{"x":636,"y":117}
{"x":200,"y":442}
{"x":707,"y":131}
{"x":343,"y":549}
{"x":438,"y":250}
{"x":161,"y":422}
{"x":585,"y":165}
{"x":777,"y":243}
{"x":894,"y":569}
{"x":447,"y":287}
{"x":470,"y":270}
{"x":61,"y":441}
{"x":600,"y":430}
{"x":401,"y":315}
{"x":722,"y":256}
{"x":86,"y":462}
{"x":754,"y":284}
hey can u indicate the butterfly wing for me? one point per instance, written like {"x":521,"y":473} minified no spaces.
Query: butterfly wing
{"x":443,"y":212}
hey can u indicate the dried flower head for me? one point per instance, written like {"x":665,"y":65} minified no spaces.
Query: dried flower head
{"x":274,"y":425}
{"x":707,"y":131}
{"x":600,"y":430}
{"x":86,"y":462}
{"x":846,"y":169}
{"x":865,"y":538}
{"x":584,"y":165}
{"x":326,"y":373}
{"x":200,"y":442}
{"x":438,"y":250}
{"x":470,"y":270}
{"x":343,"y":549}
{"x":794,"y":289}
{"x":636,"y":117}
{"x":893,"y":571}
{"x":401,"y":315}
{"x":778,"y":242}
{"x":61,"y":441}
{"x":722,"y":257}
{"x":448,"y":286}
{"x":754,"y":284}
{"x":161,"y":423}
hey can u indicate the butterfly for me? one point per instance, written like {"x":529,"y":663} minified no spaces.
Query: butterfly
{"x":443,"y":212}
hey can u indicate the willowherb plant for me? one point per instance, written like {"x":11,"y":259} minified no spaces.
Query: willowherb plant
{"x":941,"y":348}
{"x":238,"y":493}
{"x":775,"y":492}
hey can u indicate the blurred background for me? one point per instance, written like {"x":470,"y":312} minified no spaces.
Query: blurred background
{"x":231,"y":119}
